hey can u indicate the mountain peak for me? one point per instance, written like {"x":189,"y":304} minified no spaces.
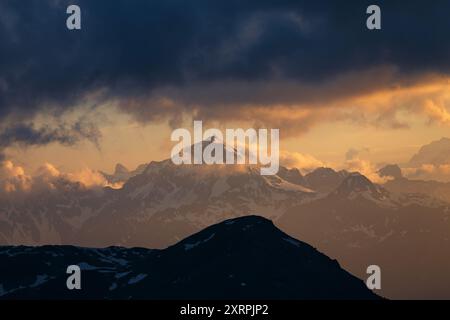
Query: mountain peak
{"x":252,"y":254}
{"x":242,"y":229}
{"x":214,"y":144}
{"x":120,"y":169}
{"x":291,"y":175}
{"x":355,"y":183}
{"x":325,"y":179}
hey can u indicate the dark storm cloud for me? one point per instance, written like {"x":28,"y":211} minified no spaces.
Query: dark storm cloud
{"x":27,"y":134}
{"x":130,"y":51}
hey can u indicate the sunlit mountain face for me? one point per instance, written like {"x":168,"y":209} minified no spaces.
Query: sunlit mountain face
{"x":95,"y":96}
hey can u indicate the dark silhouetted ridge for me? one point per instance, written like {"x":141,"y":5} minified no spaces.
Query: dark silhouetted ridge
{"x":241,"y":258}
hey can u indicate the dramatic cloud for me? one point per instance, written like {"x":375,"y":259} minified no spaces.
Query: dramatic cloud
{"x":160,"y":60}
{"x":14,"y":179}
{"x":428,"y":172}
{"x":367,"y":169}
{"x":92,"y":178}
{"x":355,"y":161}
{"x":28,"y":134}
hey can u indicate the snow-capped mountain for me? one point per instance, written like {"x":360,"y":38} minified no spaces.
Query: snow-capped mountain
{"x":168,"y":202}
{"x":292,"y":175}
{"x":355,"y":184}
{"x":325,"y":179}
{"x":156,"y":208}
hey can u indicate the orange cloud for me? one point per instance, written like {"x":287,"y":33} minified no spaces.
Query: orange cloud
{"x":298,"y":160}
{"x":378,"y":97}
{"x":367,"y":169}
{"x":429,"y":172}
{"x":91,"y":178}
{"x":13,"y":177}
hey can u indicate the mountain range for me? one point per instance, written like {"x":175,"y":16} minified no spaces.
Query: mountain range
{"x":342,"y":213}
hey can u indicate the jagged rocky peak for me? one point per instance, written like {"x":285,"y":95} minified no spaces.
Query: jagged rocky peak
{"x":292,"y":175}
{"x":357,"y":184}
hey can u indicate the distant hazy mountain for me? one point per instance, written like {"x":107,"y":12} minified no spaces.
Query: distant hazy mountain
{"x":401,"y":185}
{"x":292,"y":175}
{"x":436,"y":153}
{"x":244,"y":258}
{"x":356,"y":185}
{"x":325,"y":179}
{"x":435,"y":189}
{"x":360,"y":224}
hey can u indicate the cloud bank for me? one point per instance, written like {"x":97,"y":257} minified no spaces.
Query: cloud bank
{"x":14,"y":180}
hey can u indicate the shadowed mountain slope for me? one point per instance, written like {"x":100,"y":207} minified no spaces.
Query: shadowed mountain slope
{"x":242,"y":258}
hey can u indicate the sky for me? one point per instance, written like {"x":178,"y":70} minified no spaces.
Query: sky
{"x":114,"y":90}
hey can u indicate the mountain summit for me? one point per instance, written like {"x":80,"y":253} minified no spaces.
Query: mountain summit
{"x":120,"y":169}
{"x":325,"y":179}
{"x":356,"y":185}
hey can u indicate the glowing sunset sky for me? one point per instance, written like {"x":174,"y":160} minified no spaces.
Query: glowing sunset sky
{"x":113,"y":91}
